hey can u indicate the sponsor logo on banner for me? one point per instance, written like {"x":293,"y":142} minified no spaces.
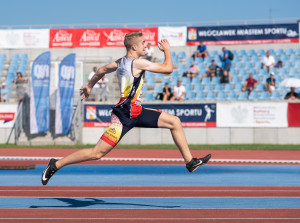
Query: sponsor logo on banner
{"x":294,"y":114}
{"x":91,"y":112}
{"x":191,"y":115}
{"x":175,"y":35}
{"x":24,"y":38}
{"x":243,"y":114}
{"x":151,"y":35}
{"x":115,"y":37}
{"x":7,"y":115}
{"x":244,"y":34}
{"x":89,"y":37}
{"x":61,"y":37}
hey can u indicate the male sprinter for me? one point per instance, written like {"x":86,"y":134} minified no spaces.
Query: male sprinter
{"x":129,"y":113}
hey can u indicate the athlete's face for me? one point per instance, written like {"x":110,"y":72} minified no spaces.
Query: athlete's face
{"x":140,"y":46}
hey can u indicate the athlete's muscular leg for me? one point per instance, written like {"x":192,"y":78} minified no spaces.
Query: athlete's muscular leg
{"x":174,"y":124}
{"x":100,"y":150}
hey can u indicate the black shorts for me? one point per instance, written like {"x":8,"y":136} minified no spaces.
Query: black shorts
{"x":121,"y":124}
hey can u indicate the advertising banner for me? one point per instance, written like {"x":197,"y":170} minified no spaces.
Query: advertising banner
{"x":62,"y":38}
{"x":243,"y":114}
{"x":191,"y":115}
{"x":65,"y":95}
{"x":175,"y":35}
{"x":8,"y":114}
{"x":99,"y":37}
{"x":243,"y":34}
{"x":24,"y":38}
{"x":39,"y":94}
{"x":294,"y":114}
{"x":87,"y":37}
{"x":114,"y":37}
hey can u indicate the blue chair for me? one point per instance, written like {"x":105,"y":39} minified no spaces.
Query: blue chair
{"x":298,"y":51}
{"x":198,"y":88}
{"x":271,"y":51}
{"x":189,"y":96}
{"x":254,"y":59}
{"x":279,"y":51}
{"x":221,"y":96}
{"x":275,"y":95}
{"x":236,"y":80}
{"x":239,"y":65}
{"x":150,"y":82}
{"x":144,"y":89}
{"x":186,"y":80}
{"x":196,"y":80}
{"x":261,"y":53}
{"x":205,"y":80}
{"x":251,"y":52}
{"x":208,"y":88}
{"x":181,"y":55}
{"x":149,"y":74}
{"x":159,"y":75}
{"x":259,"y":87}
{"x":228,"y":87}
{"x":253,"y":95}
{"x":288,"y":64}
{"x":243,"y":96}
{"x":218,"y":88}
{"x":200,"y":96}
{"x":188,"y":87}
{"x":293,"y":58}
{"x":264,"y":96}
{"x":166,"y":80}
{"x":289,"y":51}
{"x":174,"y":74}
{"x":248,"y":66}
{"x":215,"y":80}
{"x":241,"y":53}
{"x":158,"y":89}
{"x":182,"y":67}
{"x":231,"y":96}
{"x":211,"y":96}
{"x":149,"y":97}
{"x":238,"y":87}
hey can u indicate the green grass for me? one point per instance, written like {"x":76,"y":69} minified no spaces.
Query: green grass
{"x":199,"y":147}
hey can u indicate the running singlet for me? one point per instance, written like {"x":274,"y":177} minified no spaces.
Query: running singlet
{"x":130,"y":88}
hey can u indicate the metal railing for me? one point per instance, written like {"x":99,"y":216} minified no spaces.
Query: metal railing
{"x":153,"y":24}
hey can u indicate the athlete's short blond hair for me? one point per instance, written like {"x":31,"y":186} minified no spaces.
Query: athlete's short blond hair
{"x":129,"y":37}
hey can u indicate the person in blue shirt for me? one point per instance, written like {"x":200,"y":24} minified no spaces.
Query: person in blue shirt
{"x":201,"y":51}
{"x":226,"y":65}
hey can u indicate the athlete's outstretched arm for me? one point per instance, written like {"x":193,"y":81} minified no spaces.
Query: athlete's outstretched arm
{"x":111,"y":67}
{"x":165,"y":68}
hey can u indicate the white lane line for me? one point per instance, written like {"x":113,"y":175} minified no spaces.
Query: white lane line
{"x":158,"y":159}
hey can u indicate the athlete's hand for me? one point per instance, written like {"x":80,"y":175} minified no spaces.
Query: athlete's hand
{"x":85,"y":92}
{"x":164,"y":45}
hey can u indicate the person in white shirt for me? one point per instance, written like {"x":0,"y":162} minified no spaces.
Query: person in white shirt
{"x":95,"y":91}
{"x":149,"y":52}
{"x":103,"y":82}
{"x":179,"y":92}
{"x":268,"y":62}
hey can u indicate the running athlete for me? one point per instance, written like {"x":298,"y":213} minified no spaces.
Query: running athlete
{"x":129,"y":113}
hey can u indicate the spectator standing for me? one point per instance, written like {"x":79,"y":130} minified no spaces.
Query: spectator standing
{"x":167,"y":93}
{"x":226,"y":65}
{"x":193,"y":71}
{"x":212,"y":70}
{"x":179,"y":92}
{"x":292,"y":95}
{"x":149,"y":52}
{"x":201,"y":51}
{"x":104,"y":90}
{"x":268,"y":61}
{"x":3,"y":93}
{"x":250,"y":84}
{"x":96,"y":89}
{"x":20,"y":86}
{"x":270,"y":83}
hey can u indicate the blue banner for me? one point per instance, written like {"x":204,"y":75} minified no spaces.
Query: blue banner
{"x":39,"y":94}
{"x":191,"y":115}
{"x":244,"y":34}
{"x":65,"y":95}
